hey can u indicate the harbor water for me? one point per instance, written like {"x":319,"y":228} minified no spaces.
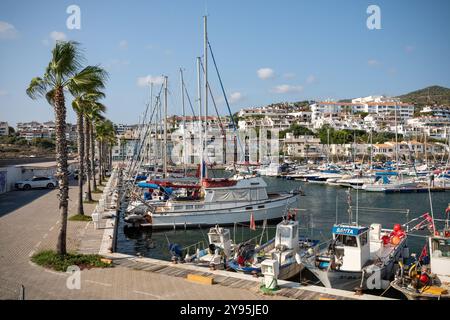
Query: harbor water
{"x":321,"y":206}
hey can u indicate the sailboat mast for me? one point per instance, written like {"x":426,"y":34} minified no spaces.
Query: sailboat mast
{"x":184,"y":120}
{"x":199,"y":93}
{"x":165,"y":127}
{"x":205,"y":54}
{"x":396,"y":138}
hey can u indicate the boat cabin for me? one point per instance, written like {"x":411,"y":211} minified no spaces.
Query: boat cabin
{"x":352,"y":246}
{"x":287,"y":235}
{"x":440,"y":257}
{"x":286,"y":241}
{"x":220,"y":238}
{"x":253,"y":189}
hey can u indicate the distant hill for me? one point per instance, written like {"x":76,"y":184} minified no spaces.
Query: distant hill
{"x":428,"y":96}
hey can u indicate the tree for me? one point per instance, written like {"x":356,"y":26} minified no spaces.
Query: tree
{"x":92,"y":115}
{"x":81,"y":105}
{"x":296,"y":130}
{"x":64,"y":72}
{"x":105,"y":135}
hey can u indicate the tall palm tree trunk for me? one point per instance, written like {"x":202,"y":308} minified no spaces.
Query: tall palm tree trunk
{"x":62,"y":167}
{"x":100,"y":151}
{"x":87,"y":160}
{"x":80,"y":128}
{"x":93,"y":157}
{"x":110,"y":158}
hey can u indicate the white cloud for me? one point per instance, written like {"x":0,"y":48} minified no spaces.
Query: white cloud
{"x":287,"y":88}
{"x":235,"y":97}
{"x":7,"y":30}
{"x":123,"y":44}
{"x":147,"y":80}
{"x":265,"y":73}
{"x":311,"y":79}
{"x":3,"y":93}
{"x":58,"y":36}
{"x":373,"y":62}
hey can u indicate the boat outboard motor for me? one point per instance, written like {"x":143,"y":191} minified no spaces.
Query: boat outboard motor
{"x":176,"y":251}
{"x":212,"y":248}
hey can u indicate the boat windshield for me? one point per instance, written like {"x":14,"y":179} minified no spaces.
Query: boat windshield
{"x":442,"y":245}
{"x":346,"y":240}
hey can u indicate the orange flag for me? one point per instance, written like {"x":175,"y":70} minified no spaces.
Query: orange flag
{"x":252,"y":222}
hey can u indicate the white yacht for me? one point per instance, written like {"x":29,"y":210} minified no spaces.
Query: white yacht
{"x":222,"y":202}
{"x":271,"y":170}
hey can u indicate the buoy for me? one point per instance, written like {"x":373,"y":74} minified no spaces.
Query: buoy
{"x":395,"y":240}
{"x":424,"y":278}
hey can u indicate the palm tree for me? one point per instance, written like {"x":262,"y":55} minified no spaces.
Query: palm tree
{"x":80,"y":104}
{"x":93,"y":113}
{"x":106,"y":138}
{"x":64,"y":73}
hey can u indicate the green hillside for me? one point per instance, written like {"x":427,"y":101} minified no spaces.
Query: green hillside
{"x":430,"y":95}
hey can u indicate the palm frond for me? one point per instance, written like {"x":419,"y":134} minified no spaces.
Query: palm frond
{"x":89,"y":79}
{"x":66,"y":60}
{"x":37,"y":88}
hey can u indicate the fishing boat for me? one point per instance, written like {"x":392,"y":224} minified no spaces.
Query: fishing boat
{"x":428,"y":277}
{"x":219,"y":250}
{"x":357,"y":257}
{"x":287,"y":248}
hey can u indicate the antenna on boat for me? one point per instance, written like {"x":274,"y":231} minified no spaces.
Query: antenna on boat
{"x":165,"y":127}
{"x":337,"y":203}
{"x":205,"y":57}
{"x":357,"y":204}
{"x":349,"y":201}
{"x":431,"y":207}
{"x":184,"y":120}
{"x":199,"y":93}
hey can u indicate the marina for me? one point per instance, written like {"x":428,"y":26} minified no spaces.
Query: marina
{"x":195,"y":162}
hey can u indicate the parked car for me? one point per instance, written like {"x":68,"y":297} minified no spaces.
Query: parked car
{"x":37,"y":182}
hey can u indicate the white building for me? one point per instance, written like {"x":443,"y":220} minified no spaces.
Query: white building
{"x":372,"y":105}
{"x":302,"y":146}
{"x":440,"y":112}
{"x":4,"y":129}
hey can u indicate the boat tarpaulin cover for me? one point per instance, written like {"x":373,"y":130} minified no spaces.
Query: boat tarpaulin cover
{"x":231,"y":195}
{"x":144,"y":184}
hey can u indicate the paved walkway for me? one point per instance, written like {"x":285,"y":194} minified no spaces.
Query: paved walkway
{"x":29,"y":222}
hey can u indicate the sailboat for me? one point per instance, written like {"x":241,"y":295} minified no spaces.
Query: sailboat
{"x":397,"y":184}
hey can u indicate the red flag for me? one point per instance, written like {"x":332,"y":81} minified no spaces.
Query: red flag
{"x":252,"y":222}
{"x":424,"y":252}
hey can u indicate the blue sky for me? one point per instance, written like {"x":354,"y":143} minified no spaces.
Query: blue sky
{"x":306,"y":49}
